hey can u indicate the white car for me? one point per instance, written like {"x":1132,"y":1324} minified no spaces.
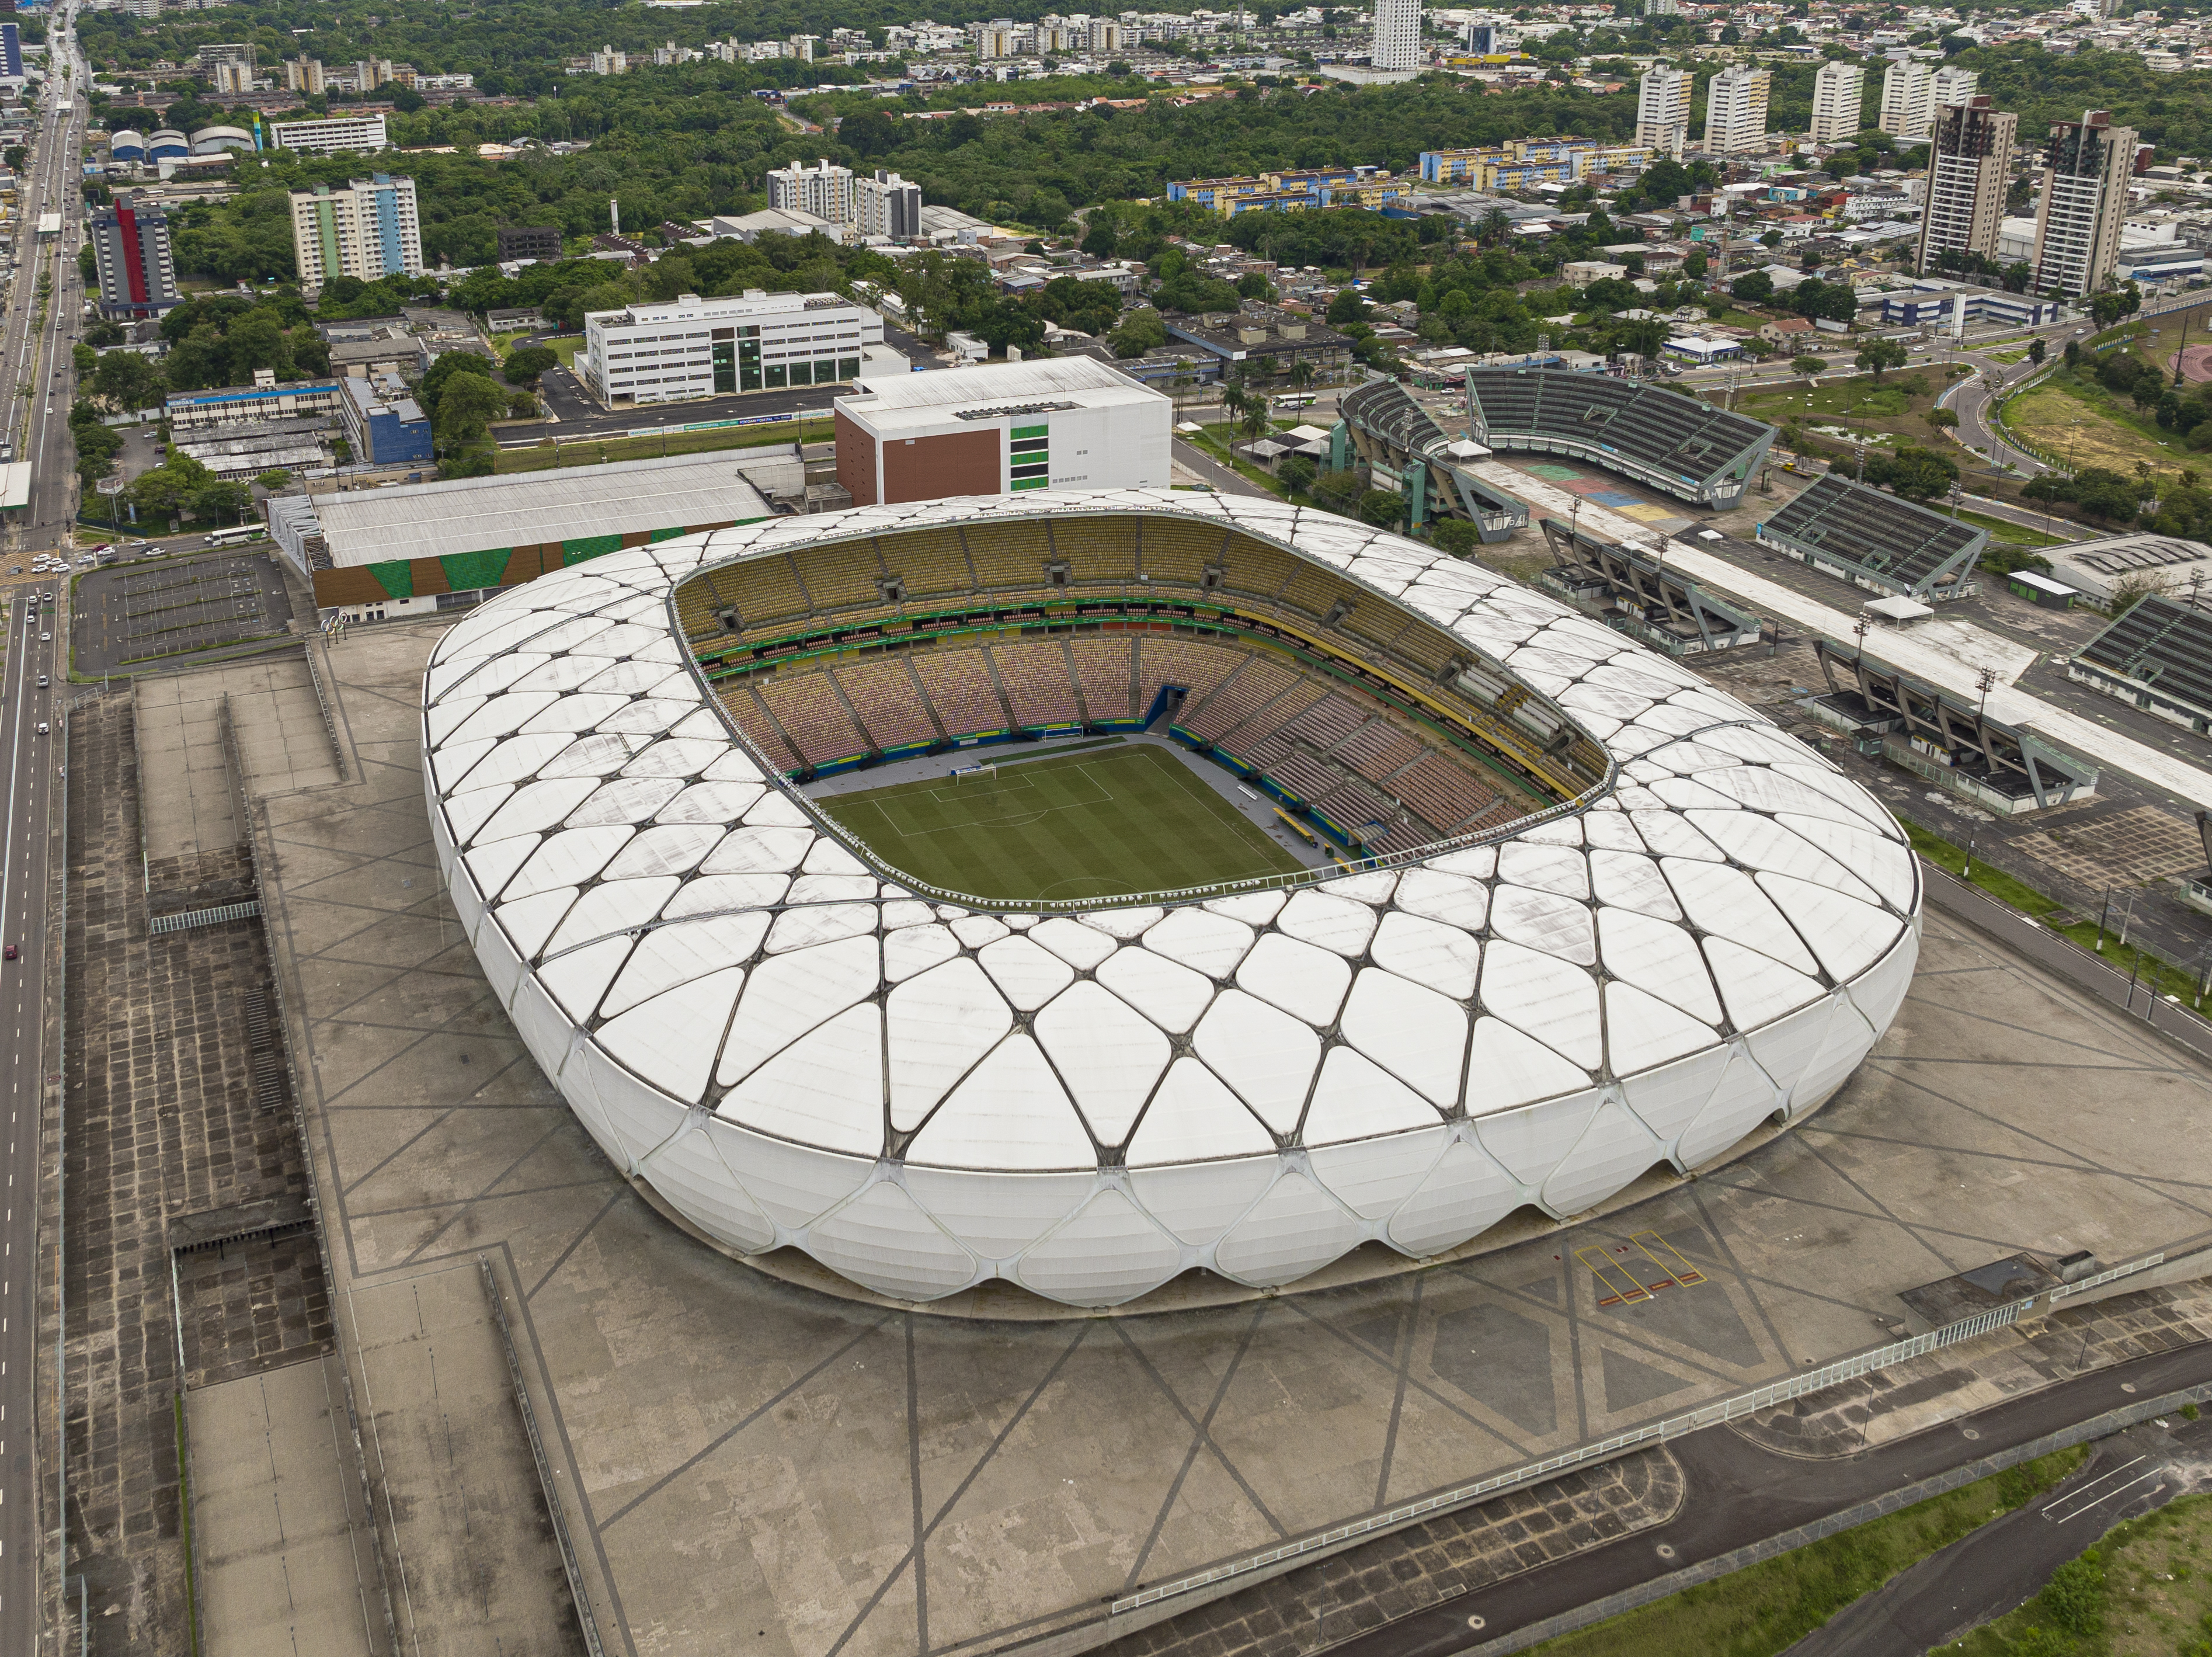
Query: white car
{"x":43,"y":637}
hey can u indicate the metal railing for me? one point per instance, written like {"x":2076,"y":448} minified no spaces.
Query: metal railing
{"x":554,"y":1506}
{"x":323,"y":702}
{"x":190,"y":918}
{"x":1658,"y":1432}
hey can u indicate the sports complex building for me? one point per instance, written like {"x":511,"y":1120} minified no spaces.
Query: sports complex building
{"x":1570,"y":913}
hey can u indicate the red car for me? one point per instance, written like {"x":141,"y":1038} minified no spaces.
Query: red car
{"x":9,"y":953}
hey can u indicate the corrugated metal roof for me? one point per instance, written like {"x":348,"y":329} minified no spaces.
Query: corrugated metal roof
{"x":473,"y":514}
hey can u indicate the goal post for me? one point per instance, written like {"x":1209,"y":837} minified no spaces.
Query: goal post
{"x":973,"y":773}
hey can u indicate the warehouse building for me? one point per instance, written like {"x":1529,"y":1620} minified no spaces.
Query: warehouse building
{"x":412,"y":549}
{"x":1067,"y":423}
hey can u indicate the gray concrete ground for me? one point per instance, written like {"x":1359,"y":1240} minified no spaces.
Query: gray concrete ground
{"x":751,"y":1463}
{"x":284,"y":1563}
{"x":281,"y":741}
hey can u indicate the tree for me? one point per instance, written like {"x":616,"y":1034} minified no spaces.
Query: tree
{"x":1141,"y":331}
{"x":2037,"y":350}
{"x":129,"y":381}
{"x":1255,"y":421}
{"x":1457,"y":536}
{"x":1380,"y":507}
{"x":1879,"y":354}
{"x":1942,"y":419}
{"x":1297,"y":475}
{"x":462,"y":425}
{"x":1754,"y":286}
{"x":1808,"y":365}
{"x":1347,"y":306}
{"x":1340,"y":491}
{"x":525,"y":362}
{"x":274,"y":480}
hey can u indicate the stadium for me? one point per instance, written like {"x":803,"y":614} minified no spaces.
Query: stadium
{"x":1325,"y":891}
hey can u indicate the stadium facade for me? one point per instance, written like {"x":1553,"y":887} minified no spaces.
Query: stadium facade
{"x":1675,"y":923}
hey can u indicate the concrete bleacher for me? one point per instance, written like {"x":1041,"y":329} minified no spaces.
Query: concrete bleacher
{"x":1104,"y":670}
{"x":891,"y":708}
{"x":759,"y":726}
{"x":2159,"y":656}
{"x":1009,"y":555}
{"x":812,"y":713}
{"x":1256,"y":685}
{"x":931,"y":562}
{"x":959,"y":686}
{"x":1868,"y":536}
{"x":1163,"y":659}
{"x":1646,"y":431}
{"x":1035,"y":677}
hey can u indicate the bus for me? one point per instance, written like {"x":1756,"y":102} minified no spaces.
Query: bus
{"x":233,"y":537}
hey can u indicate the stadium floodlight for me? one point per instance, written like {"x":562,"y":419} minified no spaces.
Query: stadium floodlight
{"x":791,"y":1044}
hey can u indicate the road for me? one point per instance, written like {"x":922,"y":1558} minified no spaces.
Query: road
{"x":1738,"y":1494}
{"x":35,"y":353}
{"x":1991,"y":1571}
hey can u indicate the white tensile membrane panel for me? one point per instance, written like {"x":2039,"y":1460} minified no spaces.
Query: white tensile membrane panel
{"x":795,"y":1051}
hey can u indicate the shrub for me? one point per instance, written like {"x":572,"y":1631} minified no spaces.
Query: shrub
{"x":2075,"y":1595}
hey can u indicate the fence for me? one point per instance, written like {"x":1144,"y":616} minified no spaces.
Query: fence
{"x":1645,"y":1594}
{"x":1658,"y":1432}
{"x":554,"y":1506}
{"x":2061,"y":956}
{"x":323,"y":702}
{"x":198,"y":917}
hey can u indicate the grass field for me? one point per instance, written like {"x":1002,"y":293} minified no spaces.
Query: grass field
{"x":2078,"y":420}
{"x":1101,"y":824}
{"x":546,"y":454}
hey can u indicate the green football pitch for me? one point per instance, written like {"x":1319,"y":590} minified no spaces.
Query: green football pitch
{"x":1101,"y":824}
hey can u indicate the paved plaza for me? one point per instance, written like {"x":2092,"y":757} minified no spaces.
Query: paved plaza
{"x":749,"y":1463}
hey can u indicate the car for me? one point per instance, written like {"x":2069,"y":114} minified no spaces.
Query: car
{"x":42,"y":681}
{"x":43,"y":638}
{"x":42,"y":728}
{"x":17,"y":570}
{"x":9,"y":953}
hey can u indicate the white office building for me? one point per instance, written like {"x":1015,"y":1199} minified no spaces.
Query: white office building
{"x":364,"y":134}
{"x":367,"y":229}
{"x":1736,"y":110}
{"x":1838,"y":94}
{"x":1662,"y":111}
{"x":1397,"y":34}
{"x":824,"y":190}
{"x":888,"y":205}
{"x":692,"y":347}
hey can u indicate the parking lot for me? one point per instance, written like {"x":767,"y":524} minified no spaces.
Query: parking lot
{"x":138,"y":614}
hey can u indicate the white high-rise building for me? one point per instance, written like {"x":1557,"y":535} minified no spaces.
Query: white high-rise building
{"x":2085,"y":197}
{"x":1838,"y":94}
{"x":1662,"y":111}
{"x":1397,"y":34}
{"x":1950,"y":86}
{"x":1736,"y":110}
{"x":889,"y":206}
{"x":1908,"y":100}
{"x":824,"y":190}
{"x":367,"y":229}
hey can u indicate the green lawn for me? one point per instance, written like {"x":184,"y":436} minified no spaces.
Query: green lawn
{"x":2003,"y":529}
{"x":1103,"y":822}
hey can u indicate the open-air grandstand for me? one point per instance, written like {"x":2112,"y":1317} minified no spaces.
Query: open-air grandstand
{"x":2159,"y":656}
{"x":1642,"y":593}
{"x":1950,"y":740}
{"x":1877,"y":541}
{"x":1356,"y":712}
{"x":1657,"y":436}
{"x":1403,"y":447}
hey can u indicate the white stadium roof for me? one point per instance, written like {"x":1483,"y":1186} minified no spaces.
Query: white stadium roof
{"x":749,"y":1017}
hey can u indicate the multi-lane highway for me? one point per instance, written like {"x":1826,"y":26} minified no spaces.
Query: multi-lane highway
{"x":35,"y":353}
